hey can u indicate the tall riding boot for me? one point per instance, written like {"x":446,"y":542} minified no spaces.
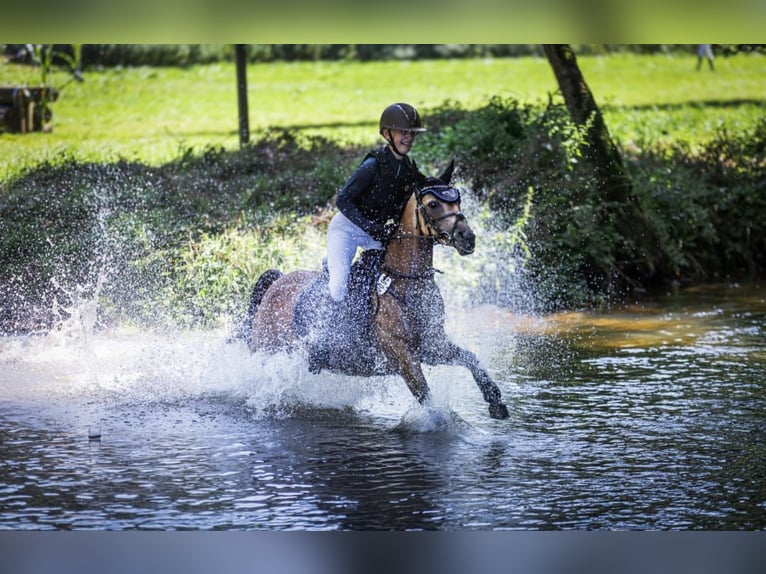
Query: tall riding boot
{"x":323,"y":334}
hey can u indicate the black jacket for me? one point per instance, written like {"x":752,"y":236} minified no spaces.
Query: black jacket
{"x":378,"y":190}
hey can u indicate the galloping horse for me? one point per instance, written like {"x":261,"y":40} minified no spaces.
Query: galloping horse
{"x":394,"y":317}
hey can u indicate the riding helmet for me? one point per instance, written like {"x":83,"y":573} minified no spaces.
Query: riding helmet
{"x":401,"y":116}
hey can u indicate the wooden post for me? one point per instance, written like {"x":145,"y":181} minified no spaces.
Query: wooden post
{"x":240,"y":51}
{"x":26,"y":109}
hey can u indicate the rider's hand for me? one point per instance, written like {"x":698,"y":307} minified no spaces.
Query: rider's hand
{"x":382,"y":231}
{"x":389,"y":228}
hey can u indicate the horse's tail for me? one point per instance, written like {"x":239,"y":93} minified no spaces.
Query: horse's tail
{"x":244,"y":330}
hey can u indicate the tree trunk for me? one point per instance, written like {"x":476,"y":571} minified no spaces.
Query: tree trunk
{"x":634,"y":256}
{"x":601,"y":151}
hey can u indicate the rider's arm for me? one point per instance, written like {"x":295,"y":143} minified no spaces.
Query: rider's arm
{"x":359,"y":182}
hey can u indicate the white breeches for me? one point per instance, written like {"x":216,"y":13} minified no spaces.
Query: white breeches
{"x":343,"y":240}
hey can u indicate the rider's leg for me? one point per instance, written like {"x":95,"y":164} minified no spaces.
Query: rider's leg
{"x":341,"y":248}
{"x":343,"y":239}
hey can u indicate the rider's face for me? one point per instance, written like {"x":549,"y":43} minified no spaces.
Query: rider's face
{"x":403,"y":139}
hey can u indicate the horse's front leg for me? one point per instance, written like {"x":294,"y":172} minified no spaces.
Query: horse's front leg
{"x":488,"y":387}
{"x":447,"y":353}
{"x":400,"y":345}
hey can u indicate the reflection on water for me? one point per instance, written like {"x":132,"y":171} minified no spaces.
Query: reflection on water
{"x":648,"y":417}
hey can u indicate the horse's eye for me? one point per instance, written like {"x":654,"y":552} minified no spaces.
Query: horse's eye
{"x":433,"y":204}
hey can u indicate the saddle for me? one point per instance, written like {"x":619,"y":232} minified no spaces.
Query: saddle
{"x":340,"y":335}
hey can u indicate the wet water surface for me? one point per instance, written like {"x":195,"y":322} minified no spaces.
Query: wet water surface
{"x":651,"y":417}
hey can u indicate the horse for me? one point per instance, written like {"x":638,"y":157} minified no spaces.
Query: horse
{"x":392,"y":320}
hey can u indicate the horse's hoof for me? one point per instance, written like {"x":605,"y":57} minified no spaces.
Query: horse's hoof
{"x":436,"y":419}
{"x":498,"y":411}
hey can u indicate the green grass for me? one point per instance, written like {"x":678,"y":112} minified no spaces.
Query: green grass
{"x":183,"y":242}
{"x":154,"y":114}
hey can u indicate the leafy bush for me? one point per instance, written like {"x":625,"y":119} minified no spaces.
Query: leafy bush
{"x":181,"y":244}
{"x":709,"y":206}
{"x":705,"y":208}
{"x":140,"y":237}
{"x":524,"y":161}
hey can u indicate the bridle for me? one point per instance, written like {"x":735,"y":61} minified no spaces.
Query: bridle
{"x":423,"y":219}
{"x":444,"y":193}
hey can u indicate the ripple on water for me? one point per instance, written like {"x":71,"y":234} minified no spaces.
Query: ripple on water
{"x":665,"y":431}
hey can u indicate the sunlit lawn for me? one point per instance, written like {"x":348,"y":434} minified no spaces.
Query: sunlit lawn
{"x":153,"y":114}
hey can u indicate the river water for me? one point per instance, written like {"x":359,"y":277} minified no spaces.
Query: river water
{"x":649,"y":417}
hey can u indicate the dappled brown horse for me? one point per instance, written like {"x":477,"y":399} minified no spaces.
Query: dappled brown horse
{"x":404,"y":310}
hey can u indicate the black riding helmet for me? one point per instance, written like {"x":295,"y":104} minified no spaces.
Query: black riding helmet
{"x":401,"y":116}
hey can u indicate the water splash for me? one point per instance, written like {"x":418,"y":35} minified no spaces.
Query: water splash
{"x":432,"y":418}
{"x":94,"y":373}
{"x":78,"y":321}
{"x":82,"y":361}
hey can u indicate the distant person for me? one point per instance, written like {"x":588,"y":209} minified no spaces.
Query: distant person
{"x":705,"y":52}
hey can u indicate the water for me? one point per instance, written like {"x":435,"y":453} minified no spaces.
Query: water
{"x":649,"y":417}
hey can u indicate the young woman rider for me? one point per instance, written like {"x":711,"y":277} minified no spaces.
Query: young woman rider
{"x":371,"y":203}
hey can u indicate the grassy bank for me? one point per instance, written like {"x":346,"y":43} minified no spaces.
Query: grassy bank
{"x":153,"y":115}
{"x":148,"y":205}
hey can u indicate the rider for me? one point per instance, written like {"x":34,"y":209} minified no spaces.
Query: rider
{"x":373,"y":199}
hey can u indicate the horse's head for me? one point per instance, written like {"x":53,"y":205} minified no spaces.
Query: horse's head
{"x":439,"y":208}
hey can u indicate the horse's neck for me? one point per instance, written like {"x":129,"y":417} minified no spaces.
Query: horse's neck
{"x":409,"y":252}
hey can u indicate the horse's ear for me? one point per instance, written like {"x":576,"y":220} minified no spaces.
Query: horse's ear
{"x":446,"y":176}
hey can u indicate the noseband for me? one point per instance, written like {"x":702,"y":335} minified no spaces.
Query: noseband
{"x":447,"y":194}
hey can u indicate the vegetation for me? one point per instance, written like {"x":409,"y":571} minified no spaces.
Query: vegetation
{"x":146,"y":203}
{"x":704,"y":208}
{"x":135,"y":55}
{"x":180,"y":244}
{"x":110,"y":55}
{"x":153,"y":114}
